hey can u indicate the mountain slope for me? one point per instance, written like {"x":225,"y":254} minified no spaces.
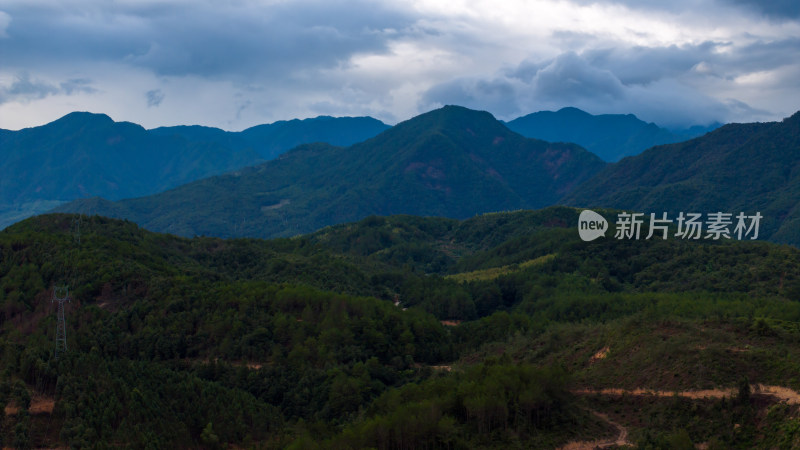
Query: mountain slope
{"x":270,"y":140}
{"x":83,"y":155}
{"x":609,"y":136}
{"x":451,"y":162}
{"x":208,"y":342}
{"x":737,"y":168}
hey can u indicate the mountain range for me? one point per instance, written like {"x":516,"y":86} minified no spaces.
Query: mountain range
{"x":83,"y":155}
{"x":609,"y":136}
{"x":750,"y":168}
{"x":455,"y":162}
{"x":451,"y":162}
{"x":272,"y":139}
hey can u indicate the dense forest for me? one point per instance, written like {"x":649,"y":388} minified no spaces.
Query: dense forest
{"x":738,"y":167}
{"x":500,"y":331}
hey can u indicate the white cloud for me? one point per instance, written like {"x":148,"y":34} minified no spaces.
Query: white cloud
{"x":236,"y":64}
{"x":5,"y":20}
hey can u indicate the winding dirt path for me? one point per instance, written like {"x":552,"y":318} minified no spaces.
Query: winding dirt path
{"x":39,"y":405}
{"x":783,"y":394}
{"x":620,"y":441}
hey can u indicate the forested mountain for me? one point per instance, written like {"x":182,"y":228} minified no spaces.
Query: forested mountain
{"x":270,"y":140}
{"x":498,"y":331}
{"x":609,"y":136}
{"x":451,"y":162}
{"x":86,"y":155}
{"x":747,"y":168}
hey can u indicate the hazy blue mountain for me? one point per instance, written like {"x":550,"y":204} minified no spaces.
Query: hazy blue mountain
{"x":753,"y":167}
{"x":696,"y":130}
{"x":199,"y":133}
{"x":270,"y":140}
{"x":451,"y":162}
{"x":609,"y":136}
{"x":84,"y":155}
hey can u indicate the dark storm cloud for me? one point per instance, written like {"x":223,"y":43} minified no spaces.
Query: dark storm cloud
{"x":204,"y":38}
{"x":641,"y":65}
{"x":24,"y":88}
{"x":570,"y":78}
{"x":593,"y":83}
{"x":76,"y":86}
{"x":526,"y":70}
{"x":774,"y":9}
{"x":498,"y":96}
{"x":154,"y":97}
{"x":762,"y":55}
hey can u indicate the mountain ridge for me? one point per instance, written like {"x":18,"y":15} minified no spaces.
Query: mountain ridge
{"x":609,"y":136}
{"x":736,"y":168}
{"x":271,"y":139}
{"x":84,"y":154}
{"x":451,"y":162}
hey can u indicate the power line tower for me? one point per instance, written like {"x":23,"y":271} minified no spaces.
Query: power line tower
{"x":61,"y":295}
{"x":77,"y":221}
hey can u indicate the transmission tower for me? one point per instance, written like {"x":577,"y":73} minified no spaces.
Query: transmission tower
{"x":76,"y":228}
{"x":61,"y":295}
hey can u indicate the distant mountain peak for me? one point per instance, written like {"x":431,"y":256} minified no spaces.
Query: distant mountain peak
{"x":610,"y":136}
{"x":456,"y":109}
{"x":570,"y":110}
{"x":79,"y":117}
{"x":794,"y":118}
{"x":450,"y":115}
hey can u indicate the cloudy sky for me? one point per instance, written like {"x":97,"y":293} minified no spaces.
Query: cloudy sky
{"x":240,"y":63}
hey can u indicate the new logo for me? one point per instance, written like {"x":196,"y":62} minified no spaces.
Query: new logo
{"x":591,"y":225}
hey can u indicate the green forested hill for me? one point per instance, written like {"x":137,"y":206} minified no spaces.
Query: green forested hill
{"x":451,"y":162}
{"x":738,"y":167}
{"x":178,"y":342}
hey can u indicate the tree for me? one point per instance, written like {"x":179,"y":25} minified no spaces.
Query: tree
{"x":209,"y":438}
{"x":22,"y":438}
{"x":743,"y":397}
